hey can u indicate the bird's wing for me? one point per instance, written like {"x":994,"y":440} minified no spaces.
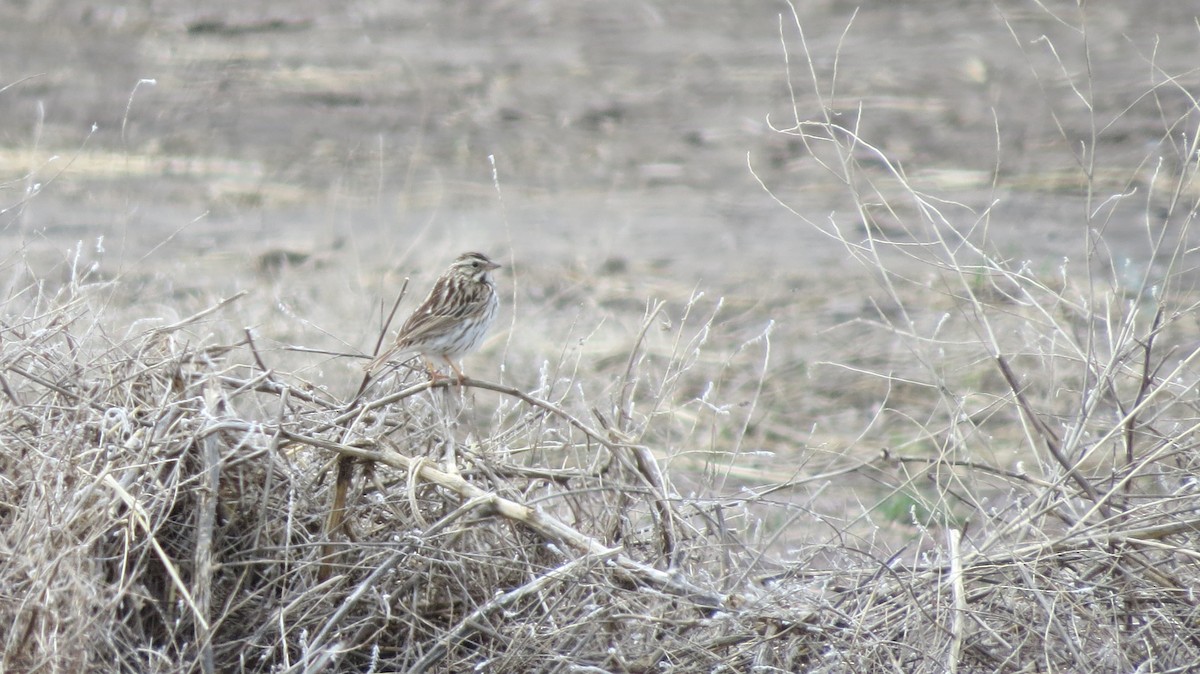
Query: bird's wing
{"x":441,"y":309}
{"x":436,"y":317}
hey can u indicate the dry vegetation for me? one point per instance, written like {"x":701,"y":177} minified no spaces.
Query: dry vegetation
{"x":173,"y":500}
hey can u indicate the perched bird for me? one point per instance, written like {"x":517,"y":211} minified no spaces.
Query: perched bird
{"x":452,"y":320}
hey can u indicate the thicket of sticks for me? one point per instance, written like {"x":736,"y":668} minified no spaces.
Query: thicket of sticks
{"x":174,"y":506}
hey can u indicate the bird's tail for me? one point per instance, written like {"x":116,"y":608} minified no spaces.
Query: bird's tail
{"x":382,"y":359}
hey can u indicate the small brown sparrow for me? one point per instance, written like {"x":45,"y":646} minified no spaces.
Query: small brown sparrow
{"x":452,"y":320}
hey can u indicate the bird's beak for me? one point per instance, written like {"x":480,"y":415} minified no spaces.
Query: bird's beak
{"x":493,"y":265}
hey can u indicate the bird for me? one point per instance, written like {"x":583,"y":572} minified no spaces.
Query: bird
{"x":452,"y":321}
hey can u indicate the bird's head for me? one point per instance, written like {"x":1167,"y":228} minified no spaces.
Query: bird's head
{"x":475,"y":266}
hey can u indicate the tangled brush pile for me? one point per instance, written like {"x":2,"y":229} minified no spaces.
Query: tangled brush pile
{"x":170,"y":507}
{"x":174,"y":506}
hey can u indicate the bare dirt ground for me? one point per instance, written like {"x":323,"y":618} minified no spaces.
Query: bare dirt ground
{"x":622,"y":129}
{"x":182,"y":150}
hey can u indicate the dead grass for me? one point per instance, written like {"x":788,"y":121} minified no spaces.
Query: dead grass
{"x":173,"y":503}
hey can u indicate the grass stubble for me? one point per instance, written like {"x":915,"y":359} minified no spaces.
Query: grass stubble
{"x":993,"y":470}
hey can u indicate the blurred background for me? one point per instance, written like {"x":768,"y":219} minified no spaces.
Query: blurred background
{"x":619,"y":130}
{"x":318,"y":153}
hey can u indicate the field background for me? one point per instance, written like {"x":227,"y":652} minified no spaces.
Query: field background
{"x":156,"y":158}
{"x":622,"y":135}
{"x":356,"y":137}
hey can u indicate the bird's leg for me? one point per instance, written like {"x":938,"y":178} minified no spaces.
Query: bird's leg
{"x":457,"y":370}
{"x":434,"y":375}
